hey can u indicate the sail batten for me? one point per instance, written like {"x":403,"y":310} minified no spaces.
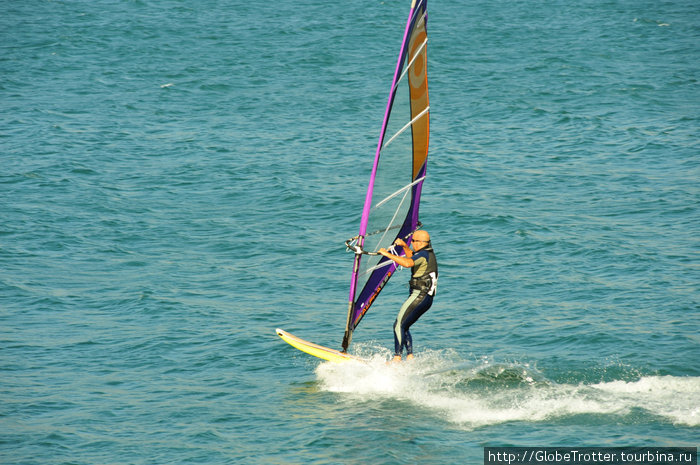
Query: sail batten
{"x":425,"y":42}
{"x":409,"y":124}
{"x":398,"y":171}
{"x":404,"y":188}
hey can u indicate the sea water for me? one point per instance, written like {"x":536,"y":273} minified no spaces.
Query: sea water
{"x":177,"y":180}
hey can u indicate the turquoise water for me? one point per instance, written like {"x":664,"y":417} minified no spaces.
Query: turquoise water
{"x":178,"y":179}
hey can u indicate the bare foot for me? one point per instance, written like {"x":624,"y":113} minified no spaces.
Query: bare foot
{"x":409,"y":357}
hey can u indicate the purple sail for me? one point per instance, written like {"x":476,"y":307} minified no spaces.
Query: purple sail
{"x":398,"y":172}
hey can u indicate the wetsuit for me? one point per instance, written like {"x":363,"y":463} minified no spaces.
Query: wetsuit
{"x":423,"y":285}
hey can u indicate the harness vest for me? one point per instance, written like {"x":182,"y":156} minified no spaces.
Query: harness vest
{"x":424,"y":273}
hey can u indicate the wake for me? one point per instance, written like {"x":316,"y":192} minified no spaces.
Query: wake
{"x":480,"y":393}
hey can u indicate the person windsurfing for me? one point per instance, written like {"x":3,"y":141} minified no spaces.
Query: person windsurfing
{"x":422,"y":287}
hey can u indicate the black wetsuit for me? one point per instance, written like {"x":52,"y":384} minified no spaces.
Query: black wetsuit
{"x":423,"y":285}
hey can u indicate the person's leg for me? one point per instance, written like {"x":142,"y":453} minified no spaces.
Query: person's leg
{"x":412,"y":309}
{"x":420,"y":306}
{"x":399,"y":330}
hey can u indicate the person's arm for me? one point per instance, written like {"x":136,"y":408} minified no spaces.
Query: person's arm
{"x":406,"y":262}
{"x":407,"y":252}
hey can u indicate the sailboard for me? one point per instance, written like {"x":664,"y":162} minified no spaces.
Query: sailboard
{"x":398,"y":171}
{"x":316,"y":350}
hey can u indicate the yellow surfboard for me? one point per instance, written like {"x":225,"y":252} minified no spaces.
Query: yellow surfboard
{"x":316,"y":350}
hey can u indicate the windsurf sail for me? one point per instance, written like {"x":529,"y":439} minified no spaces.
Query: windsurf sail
{"x":393,"y":194}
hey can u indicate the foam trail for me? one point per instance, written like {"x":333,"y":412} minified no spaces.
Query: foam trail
{"x":484,"y":393}
{"x":676,"y":398}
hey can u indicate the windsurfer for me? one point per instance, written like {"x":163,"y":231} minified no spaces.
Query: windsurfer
{"x":423,"y":284}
